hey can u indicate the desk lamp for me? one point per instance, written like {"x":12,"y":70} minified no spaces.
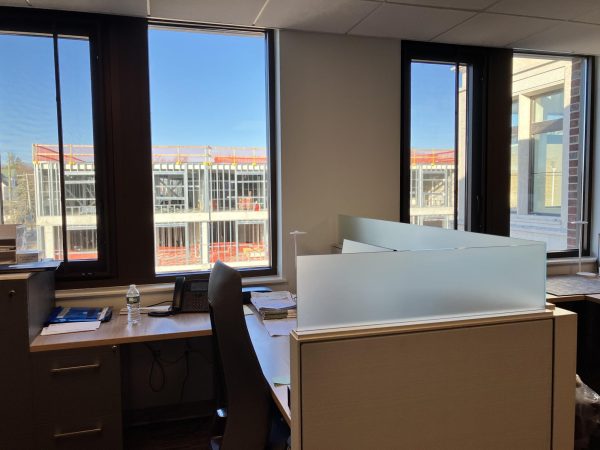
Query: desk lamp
{"x":580,"y":224}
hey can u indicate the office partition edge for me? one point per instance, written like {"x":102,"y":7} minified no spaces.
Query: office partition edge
{"x":556,"y":410}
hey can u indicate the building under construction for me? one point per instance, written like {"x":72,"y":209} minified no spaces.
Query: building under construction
{"x":209,"y":203}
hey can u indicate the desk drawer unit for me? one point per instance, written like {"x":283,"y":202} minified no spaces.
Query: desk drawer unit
{"x":77,"y":398}
{"x":102,"y":433}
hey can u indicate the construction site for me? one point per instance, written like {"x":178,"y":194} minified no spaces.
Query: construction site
{"x":210,"y":203}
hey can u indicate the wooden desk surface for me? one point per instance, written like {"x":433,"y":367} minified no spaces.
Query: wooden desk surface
{"x":273,"y":352}
{"x":117,"y":332}
{"x":274,"y":356}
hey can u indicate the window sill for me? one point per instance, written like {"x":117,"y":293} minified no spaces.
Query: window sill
{"x":565,"y":266}
{"x":149,"y":289}
{"x":570,"y":261}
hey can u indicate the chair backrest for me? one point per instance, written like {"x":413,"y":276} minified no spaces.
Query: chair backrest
{"x":247,"y":392}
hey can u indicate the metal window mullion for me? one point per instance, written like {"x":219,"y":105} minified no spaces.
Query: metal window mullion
{"x":235,"y":188}
{"x":61,"y":161}
{"x":456,"y":156}
{"x":236,"y":226}
{"x":230,"y":189}
{"x":219,"y":189}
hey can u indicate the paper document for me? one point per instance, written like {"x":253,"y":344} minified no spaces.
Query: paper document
{"x":272,"y":300}
{"x":247,"y":310}
{"x":70,"y":327}
{"x":280,"y":327}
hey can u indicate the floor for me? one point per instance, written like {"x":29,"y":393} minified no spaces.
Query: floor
{"x":189,"y":434}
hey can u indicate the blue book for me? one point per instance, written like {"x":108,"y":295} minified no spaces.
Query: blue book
{"x":63,"y":314}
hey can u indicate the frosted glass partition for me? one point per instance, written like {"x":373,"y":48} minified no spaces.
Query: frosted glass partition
{"x":467,"y":277}
{"x":403,"y":236}
{"x":358,"y":247}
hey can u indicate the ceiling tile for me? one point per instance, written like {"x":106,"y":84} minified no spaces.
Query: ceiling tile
{"x":409,"y":22}
{"x":237,"y":12}
{"x":568,"y":37}
{"x":332,"y":16}
{"x":477,"y":5}
{"x":121,"y":7}
{"x":591,"y":17}
{"x":556,"y":9}
{"x":21,"y":3}
{"x":494,"y":30}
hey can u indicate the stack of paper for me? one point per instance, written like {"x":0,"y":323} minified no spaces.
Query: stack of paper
{"x":70,"y":327}
{"x":278,"y":309}
{"x":281,"y":327}
{"x":274,"y":305}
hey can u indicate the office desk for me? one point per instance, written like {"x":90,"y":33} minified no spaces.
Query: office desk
{"x":587,"y":307}
{"x":274,"y":356}
{"x":118,"y":332}
{"x":572,"y":285}
{"x":75,"y":361}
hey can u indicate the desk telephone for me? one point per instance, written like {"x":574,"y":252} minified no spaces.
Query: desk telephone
{"x":188,"y":296}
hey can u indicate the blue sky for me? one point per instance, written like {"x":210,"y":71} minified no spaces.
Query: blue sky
{"x":206,"y":89}
{"x":432,"y":106}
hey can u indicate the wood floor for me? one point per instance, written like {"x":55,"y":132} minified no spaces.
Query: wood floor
{"x":189,"y":434}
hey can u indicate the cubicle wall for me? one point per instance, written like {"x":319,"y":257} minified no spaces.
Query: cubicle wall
{"x":433,"y":274}
{"x":418,"y":337}
{"x":495,"y":383}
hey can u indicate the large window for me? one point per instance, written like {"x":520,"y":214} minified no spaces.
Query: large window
{"x":461,"y":168}
{"x":440,"y":90}
{"x":548,"y":151}
{"x":47,"y":145}
{"x":210,"y":149}
{"x":133,"y":151}
{"x":437,"y":95}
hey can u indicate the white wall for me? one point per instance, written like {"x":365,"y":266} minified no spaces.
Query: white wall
{"x":340,"y":135}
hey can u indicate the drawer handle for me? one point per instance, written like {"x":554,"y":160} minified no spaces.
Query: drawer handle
{"x":78,"y":433}
{"x":75,"y":368}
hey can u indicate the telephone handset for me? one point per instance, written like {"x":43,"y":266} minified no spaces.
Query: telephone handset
{"x":188,"y":296}
{"x":177,"y":295}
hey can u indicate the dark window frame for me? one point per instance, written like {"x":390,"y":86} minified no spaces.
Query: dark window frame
{"x":125,"y":196}
{"x":269,"y":37}
{"x":454,"y":54}
{"x":56,"y":24}
{"x":494,"y":162}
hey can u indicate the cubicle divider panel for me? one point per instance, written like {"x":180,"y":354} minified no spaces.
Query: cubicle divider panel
{"x":565,"y":358}
{"x":403,"y":236}
{"x":375,"y":288}
{"x":295,"y":392}
{"x":486,"y":386}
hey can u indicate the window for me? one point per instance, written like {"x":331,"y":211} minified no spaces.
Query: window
{"x":441,"y":94}
{"x":47,"y":146}
{"x":527,"y":181}
{"x":210,"y":149}
{"x":548,"y":150}
{"x":514,"y":155}
{"x":435,"y":104}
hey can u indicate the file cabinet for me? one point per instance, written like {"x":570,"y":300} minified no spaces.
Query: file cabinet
{"x":25,"y":302}
{"x":77,"y":398}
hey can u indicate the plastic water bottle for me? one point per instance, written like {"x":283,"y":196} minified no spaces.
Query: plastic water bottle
{"x":133,"y":305}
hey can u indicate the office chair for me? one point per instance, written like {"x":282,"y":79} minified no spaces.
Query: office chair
{"x":249,"y":406}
